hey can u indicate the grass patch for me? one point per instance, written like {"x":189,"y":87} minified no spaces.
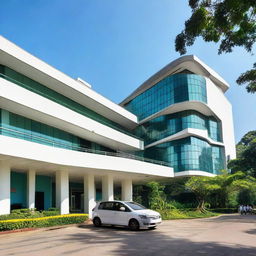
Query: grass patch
{"x":173,"y":214}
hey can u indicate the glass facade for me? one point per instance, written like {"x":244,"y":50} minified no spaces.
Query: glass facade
{"x":164,"y":126}
{"x":190,"y":153}
{"x":172,"y":89}
{"x":48,"y":93}
{"x":17,"y":126}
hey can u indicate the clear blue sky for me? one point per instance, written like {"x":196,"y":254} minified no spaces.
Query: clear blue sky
{"x":115,"y":45}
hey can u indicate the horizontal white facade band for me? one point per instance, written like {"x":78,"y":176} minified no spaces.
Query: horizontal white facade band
{"x":31,"y":105}
{"x":72,"y":159}
{"x":21,"y":61}
{"x":193,"y":173}
{"x":198,"y":106}
{"x":203,"y":134}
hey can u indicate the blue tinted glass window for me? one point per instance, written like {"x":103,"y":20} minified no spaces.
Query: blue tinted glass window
{"x":173,"y":89}
{"x":164,"y":126}
{"x":190,"y":153}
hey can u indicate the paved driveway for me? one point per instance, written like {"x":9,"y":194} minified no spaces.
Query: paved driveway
{"x":225,"y":235}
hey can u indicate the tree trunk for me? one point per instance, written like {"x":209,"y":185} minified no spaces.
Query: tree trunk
{"x":201,"y":205}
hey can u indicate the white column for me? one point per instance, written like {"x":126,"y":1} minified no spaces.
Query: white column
{"x":62,"y":191}
{"x":31,"y":187}
{"x":107,"y":188}
{"x":89,"y":194}
{"x":5,"y":188}
{"x":127,"y":190}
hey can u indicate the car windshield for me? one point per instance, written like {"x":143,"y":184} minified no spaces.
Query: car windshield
{"x":135,"y":206}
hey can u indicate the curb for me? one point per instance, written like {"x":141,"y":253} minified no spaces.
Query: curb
{"x":17,"y":231}
{"x":87,"y":222}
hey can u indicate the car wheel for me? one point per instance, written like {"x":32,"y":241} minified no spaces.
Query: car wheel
{"x":97,"y":222}
{"x":134,"y":224}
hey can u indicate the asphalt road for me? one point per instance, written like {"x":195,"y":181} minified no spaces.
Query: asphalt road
{"x":225,"y":235}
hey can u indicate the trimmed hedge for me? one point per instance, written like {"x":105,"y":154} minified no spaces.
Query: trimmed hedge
{"x":26,"y":213}
{"x":42,"y":222}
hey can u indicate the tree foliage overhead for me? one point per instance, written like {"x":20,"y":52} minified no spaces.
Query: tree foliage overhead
{"x":250,"y":78}
{"x":230,"y":22}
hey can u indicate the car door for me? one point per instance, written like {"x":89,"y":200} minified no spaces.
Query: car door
{"x":121,"y":217}
{"x":106,"y":213}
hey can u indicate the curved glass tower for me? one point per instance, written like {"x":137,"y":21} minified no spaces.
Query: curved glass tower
{"x":183,"y":118}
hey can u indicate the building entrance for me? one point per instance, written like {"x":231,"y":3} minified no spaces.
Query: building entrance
{"x":39,"y":201}
{"x":76,"y":200}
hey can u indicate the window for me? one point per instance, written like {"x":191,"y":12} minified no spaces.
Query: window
{"x":173,"y":89}
{"x":135,"y":206}
{"x":107,"y":206}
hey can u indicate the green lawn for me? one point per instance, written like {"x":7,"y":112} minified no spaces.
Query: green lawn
{"x":185,"y":214}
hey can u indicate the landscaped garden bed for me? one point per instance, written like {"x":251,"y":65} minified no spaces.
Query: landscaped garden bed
{"x":25,"y":218}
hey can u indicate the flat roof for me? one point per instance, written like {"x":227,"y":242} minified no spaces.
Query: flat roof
{"x":190,"y":62}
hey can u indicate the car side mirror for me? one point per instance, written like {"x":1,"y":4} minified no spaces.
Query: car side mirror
{"x":122,"y":209}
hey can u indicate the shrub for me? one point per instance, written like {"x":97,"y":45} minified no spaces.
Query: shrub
{"x":12,"y":224}
{"x":53,"y":209}
{"x":22,"y":214}
{"x":30,"y":213}
{"x":179,"y":205}
{"x":51,"y":212}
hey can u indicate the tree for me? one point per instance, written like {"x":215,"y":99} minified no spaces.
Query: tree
{"x":246,"y":155}
{"x":202,"y":187}
{"x":228,"y":184}
{"x":220,"y":186}
{"x":230,"y":22}
{"x":156,"y":196}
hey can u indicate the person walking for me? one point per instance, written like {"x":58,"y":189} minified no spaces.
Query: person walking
{"x":244,"y":210}
{"x":240,"y":209}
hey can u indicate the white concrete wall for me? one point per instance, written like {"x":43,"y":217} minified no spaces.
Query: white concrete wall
{"x":89,"y":194}
{"x":193,"y":173}
{"x":24,"y":102}
{"x":127,"y":190}
{"x":107,"y":188}
{"x":62,"y":191}
{"x":34,"y":151}
{"x":218,"y":102}
{"x":5,"y":188}
{"x":31,"y":188}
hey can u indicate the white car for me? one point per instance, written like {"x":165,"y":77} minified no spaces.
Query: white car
{"x":121,"y":213}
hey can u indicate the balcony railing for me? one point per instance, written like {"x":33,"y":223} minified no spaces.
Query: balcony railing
{"x":53,"y":143}
{"x":95,"y":118}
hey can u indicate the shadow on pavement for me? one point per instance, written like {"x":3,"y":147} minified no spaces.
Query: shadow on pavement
{"x":126,"y":243}
{"x":233,"y":218}
{"x":251,"y":231}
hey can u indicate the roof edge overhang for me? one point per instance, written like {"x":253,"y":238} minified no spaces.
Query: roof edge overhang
{"x":22,"y":61}
{"x":190,"y":62}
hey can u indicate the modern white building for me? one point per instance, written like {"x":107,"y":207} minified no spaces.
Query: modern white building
{"x":64,"y":145}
